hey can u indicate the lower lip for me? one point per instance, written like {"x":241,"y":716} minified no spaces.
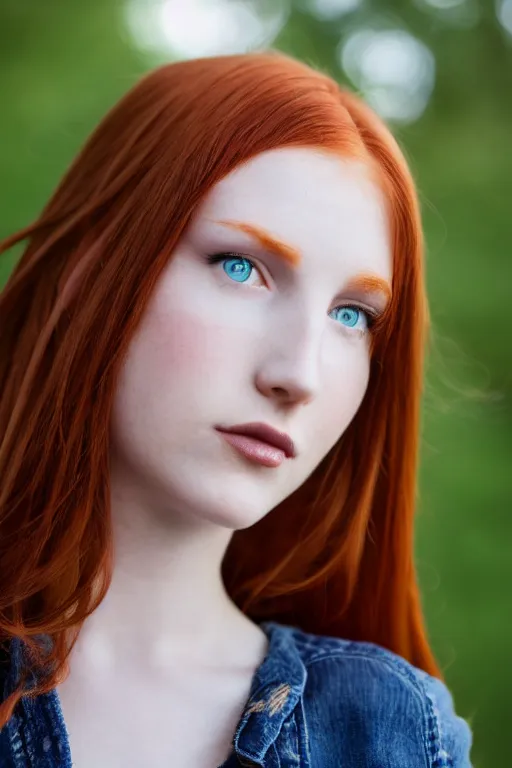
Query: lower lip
{"x":255,"y":450}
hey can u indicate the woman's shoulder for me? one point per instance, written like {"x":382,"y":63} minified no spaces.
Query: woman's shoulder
{"x":382,"y":696}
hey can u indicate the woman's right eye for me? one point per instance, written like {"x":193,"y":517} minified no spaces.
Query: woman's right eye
{"x":238,"y":268}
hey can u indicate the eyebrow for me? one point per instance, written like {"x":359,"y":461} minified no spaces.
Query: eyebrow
{"x":367,"y":282}
{"x":370,"y":284}
{"x":270,"y":243}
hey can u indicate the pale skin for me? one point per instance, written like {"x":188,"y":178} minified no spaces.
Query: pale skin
{"x":161,"y":671}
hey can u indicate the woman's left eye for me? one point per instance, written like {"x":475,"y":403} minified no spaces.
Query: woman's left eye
{"x":353,"y":316}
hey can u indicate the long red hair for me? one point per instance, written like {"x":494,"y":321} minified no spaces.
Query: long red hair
{"x":336,"y":557}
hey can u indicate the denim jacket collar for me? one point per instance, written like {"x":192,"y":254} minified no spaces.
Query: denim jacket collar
{"x":277,"y":689}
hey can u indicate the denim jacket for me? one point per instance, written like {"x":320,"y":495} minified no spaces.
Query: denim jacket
{"x":315,"y":702}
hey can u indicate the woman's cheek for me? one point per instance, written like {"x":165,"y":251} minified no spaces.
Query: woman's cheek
{"x":183,"y":352}
{"x":346,"y":385}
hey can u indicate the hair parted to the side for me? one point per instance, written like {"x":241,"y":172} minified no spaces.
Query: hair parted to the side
{"x":336,"y":557}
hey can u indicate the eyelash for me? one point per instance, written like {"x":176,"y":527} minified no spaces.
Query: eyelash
{"x":371,"y":317}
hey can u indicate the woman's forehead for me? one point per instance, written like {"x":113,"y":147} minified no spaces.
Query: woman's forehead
{"x":307,"y":205}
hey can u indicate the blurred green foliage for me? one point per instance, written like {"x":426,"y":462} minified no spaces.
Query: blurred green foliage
{"x":64,"y":63}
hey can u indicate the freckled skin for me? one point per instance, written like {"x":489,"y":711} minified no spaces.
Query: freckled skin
{"x":211,"y":350}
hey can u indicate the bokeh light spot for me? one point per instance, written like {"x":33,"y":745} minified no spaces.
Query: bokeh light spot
{"x":504,"y":14}
{"x":442,"y":4}
{"x":330,"y":9}
{"x":455,"y":13}
{"x":394,"y":71}
{"x":195,"y":28}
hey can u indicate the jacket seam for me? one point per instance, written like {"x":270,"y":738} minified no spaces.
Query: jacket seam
{"x":440,"y":757}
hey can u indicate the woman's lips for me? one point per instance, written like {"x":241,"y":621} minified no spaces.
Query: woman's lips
{"x":255,"y":450}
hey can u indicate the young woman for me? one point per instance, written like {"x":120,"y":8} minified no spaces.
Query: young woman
{"x":211,"y":369}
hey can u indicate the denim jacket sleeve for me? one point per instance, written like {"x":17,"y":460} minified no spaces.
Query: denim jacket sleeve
{"x":449,"y":734}
{"x":388,"y":712}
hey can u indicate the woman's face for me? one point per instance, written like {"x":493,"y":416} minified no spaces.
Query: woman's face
{"x":276,"y":332}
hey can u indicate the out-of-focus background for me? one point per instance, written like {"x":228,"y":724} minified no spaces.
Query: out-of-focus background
{"x":440,"y":71}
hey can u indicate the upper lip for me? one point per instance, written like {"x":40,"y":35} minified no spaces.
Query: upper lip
{"x":266,"y":433}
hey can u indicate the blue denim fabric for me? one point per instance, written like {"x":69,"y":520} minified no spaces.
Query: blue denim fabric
{"x":315,"y":702}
